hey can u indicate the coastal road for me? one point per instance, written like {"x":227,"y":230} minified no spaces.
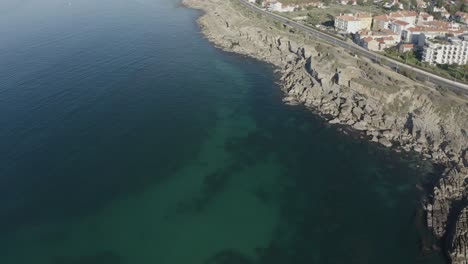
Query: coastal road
{"x":358,"y":50}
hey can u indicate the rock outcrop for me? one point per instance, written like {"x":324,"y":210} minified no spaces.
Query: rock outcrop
{"x":459,"y":239}
{"x":387,"y":107}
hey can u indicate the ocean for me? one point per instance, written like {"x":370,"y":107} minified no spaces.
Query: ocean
{"x":127,"y":138}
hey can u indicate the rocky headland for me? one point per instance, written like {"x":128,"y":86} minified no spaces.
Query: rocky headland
{"x":389,"y":108}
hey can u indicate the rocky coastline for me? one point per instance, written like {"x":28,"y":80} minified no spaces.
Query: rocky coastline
{"x":389,"y":108}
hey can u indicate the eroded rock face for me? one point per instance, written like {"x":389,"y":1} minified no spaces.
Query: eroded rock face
{"x":450,"y":189}
{"x":387,"y":107}
{"x":458,"y":250}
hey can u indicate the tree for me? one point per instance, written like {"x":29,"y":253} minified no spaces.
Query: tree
{"x":437,"y":16}
{"x":465,"y":71}
{"x":454,"y":8}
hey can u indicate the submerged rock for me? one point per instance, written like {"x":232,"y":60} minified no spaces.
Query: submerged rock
{"x":358,"y":93}
{"x":229,"y":257}
{"x":103,"y":257}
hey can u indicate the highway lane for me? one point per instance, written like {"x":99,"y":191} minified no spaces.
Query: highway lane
{"x":420,"y":74}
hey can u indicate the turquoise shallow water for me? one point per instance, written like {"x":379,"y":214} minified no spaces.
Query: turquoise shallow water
{"x":125,"y":137}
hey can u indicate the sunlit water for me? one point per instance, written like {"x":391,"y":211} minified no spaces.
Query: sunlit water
{"x":126,"y":138}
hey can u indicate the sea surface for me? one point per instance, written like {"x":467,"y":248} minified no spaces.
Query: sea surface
{"x":127,"y":138}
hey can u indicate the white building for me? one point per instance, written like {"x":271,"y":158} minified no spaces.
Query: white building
{"x":407,"y":16}
{"x":453,"y":51}
{"x":352,"y":23}
{"x":278,"y":7}
{"x":398,"y":26}
{"x":413,"y":34}
{"x":383,"y":21}
{"x":424,"y":17}
{"x":348,"y":24}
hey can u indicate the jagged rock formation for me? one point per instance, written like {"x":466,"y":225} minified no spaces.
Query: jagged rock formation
{"x":389,"y":108}
{"x":450,"y":189}
{"x":459,"y":238}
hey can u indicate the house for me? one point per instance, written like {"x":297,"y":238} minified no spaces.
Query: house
{"x":437,"y":9}
{"x":405,"y":47}
{"x":383,"y":21}
{"x":407,"y":16}
{"x":382,"y":39}
{"x":424,"y":17}
{"x":278,"y":7}
{"x":311,"y":4}
{"x":275,"y":6}
{"x":389,"y":41}
{"x":346,"y":2}
{"x":377,"y":44}
{"x":370,"y":44}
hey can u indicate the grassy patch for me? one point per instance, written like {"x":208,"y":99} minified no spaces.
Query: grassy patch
{"x":458,"y":72}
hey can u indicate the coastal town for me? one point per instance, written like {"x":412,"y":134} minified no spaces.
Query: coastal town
{"x":428,"y":34}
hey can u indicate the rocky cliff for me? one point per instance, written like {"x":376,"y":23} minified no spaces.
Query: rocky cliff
{"x":389,"y":108}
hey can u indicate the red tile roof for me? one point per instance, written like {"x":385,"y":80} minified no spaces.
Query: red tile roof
{"x":401,"y":23}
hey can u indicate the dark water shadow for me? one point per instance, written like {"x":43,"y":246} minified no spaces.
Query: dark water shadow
{"x":102,"y":257}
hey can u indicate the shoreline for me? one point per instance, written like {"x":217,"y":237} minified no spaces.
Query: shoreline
{"x":362,"y":97}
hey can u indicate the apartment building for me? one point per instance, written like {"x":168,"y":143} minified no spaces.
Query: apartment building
{"x":430,"y":30}
{"x":352,"y":23}
{"x":384,"y":21}
{"x":451,"y":51}
{"x":398,"y":26}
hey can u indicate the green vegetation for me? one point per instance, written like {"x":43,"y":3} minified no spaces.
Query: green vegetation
{"x":410,"y":57}
{"x":458,"y":5}
{"x":458,"y":72}
{"x":295,"y":1}
{"x":409,"y":74}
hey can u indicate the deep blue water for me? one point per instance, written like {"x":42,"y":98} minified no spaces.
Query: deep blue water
{"x":125,"y":137}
